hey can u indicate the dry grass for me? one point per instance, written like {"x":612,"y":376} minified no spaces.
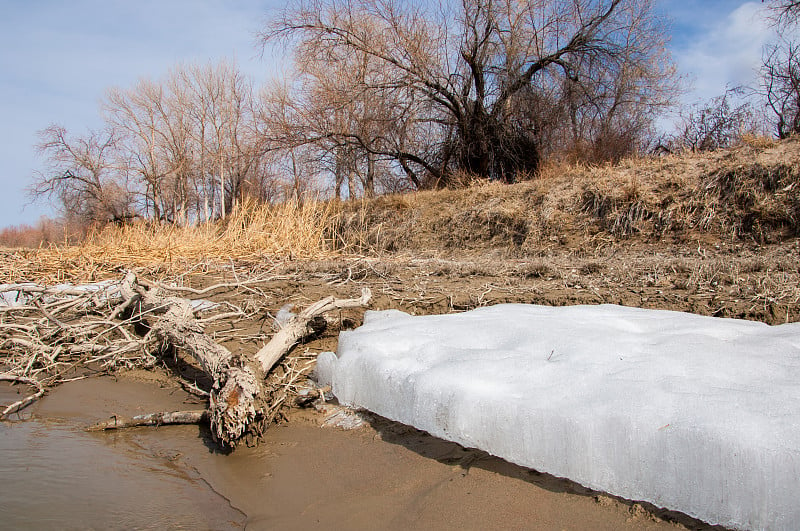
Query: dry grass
{"x":287,"y":230}
{"x":376,"y":226}
{"x":253,"y":232}
{"x":750,"y":193}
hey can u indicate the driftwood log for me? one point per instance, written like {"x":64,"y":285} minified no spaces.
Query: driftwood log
{"x":237,"y":398}
{"x":237,"y":382}
{"x":19,"y":404}
{"x":303,"y":325}
{"x":152,"y":419}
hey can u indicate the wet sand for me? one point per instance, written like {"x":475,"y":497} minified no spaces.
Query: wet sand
{"x":382,"y":475}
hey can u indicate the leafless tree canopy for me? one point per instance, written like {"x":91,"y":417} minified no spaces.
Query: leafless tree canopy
{"x":780,"y":69}
{"x":721,"y":122}
{"x":182,"y":149}
{"x":81,"y":174}
{"x":780,"y":85}
{"x":785,"y":13}
{"x":482,"y":86}
{"x":387,"y":95}
{"x":191,"y":140}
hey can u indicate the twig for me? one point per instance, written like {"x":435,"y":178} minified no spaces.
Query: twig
{"x":224,"y":285}
{"x":19,"y":404}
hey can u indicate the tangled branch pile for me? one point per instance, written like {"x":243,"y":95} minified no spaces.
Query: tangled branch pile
{"x":49,"y":335}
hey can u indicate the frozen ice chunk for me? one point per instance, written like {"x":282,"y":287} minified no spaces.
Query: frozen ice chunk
{"x":696,"y":414}
{"x":284,"y":315}
{"x":21,"y":294}
{"x":323,"y":373}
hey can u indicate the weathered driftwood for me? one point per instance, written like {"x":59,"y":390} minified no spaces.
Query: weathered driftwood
{"x":238,"y":382}
{"x":237,"y":397}
{"x":152,"y":419}
{"x":49,"y":331}
{"x":19,"y":404}
{"x":303,"y":325}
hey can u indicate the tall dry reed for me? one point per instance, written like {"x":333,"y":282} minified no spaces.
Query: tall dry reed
{"x":252,"y":232}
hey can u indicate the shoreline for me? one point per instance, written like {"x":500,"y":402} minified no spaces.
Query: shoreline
{"x":303,"y":476}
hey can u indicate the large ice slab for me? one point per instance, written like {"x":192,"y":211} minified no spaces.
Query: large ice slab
{"x":696,"y":414}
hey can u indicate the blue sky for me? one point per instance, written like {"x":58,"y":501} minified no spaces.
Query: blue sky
{"x":59,"y":58}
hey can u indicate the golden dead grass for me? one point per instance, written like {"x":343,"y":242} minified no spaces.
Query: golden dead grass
{"x":253,"y":232}
{"x":289,"y":229}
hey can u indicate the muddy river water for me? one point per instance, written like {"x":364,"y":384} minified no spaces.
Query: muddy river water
{"x":55,"y":475}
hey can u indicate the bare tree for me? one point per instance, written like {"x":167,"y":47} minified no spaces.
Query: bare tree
{"x":192,"y":139}
{"x":780,"y":85}
{"x":464,"y":77}
{"x":135,"y":116}
{"x":81,"y":174}
{"x":780,"y":69}
{"x":182,"y":149}
{"x":785,"y":13}
{"x":332,"y":123}
{"x":719,"y":123}
{"x":229,"y":143}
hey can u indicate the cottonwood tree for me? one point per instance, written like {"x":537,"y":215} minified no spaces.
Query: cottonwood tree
{"x":464,"y":79}
{"x":80,"y":173}
{"x":226,"y":142}
{"x":292,"y":154}
{"x":181,"y":149}
{"x":235,"y":144}
{"x":331,"y":120}
{"x":140,"y":118}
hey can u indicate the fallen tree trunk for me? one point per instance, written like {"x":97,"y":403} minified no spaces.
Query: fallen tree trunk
{"x":238,"y":383}
{"x":238,"y":397}
{"x":303,"y":325}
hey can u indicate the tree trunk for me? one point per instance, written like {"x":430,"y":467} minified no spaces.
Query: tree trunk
{"x":238,"y":395}
{"x":238,"y":383}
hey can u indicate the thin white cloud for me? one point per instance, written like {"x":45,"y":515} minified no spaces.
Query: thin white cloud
{"x":727,"y":54}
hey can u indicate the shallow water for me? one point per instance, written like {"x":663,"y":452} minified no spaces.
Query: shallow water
{"x":57,"y":476}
